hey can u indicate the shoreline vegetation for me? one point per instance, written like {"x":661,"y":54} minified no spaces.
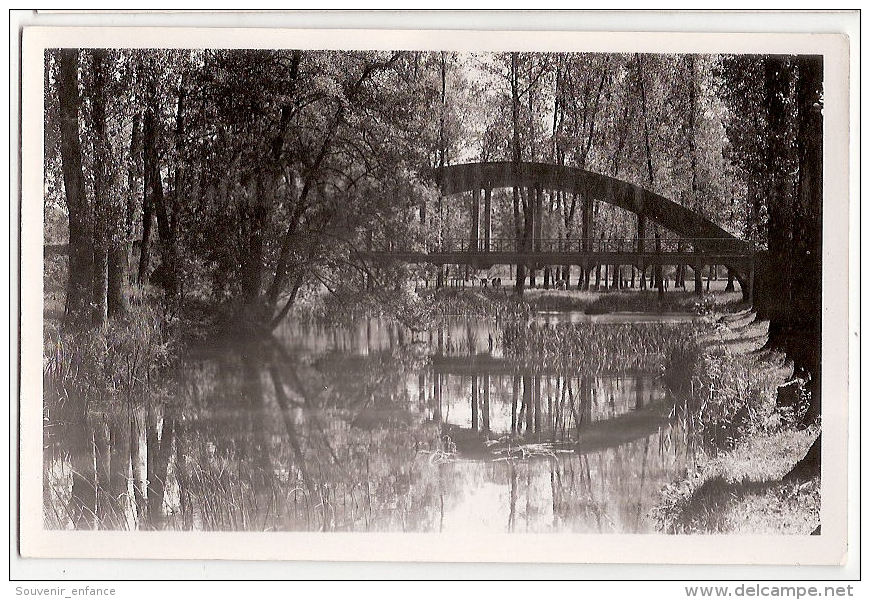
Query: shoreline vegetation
{"x":739,"y":396}
{"x":408,"y":306}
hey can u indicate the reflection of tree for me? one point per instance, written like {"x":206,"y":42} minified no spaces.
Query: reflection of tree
{"x":259,"y":437}
{"x":231,"y":451}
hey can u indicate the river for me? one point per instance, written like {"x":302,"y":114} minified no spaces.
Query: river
{"x":369,"y":427}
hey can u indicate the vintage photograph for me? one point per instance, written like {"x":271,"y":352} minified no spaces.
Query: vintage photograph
{"x":430,"y":291}
{"x":431,"y":296}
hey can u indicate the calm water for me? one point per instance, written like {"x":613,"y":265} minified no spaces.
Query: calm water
{"x":371,"y":428}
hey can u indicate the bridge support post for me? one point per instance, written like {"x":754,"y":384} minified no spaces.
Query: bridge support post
{"x":539,"y":216}
{"x":641,"y":243}
{"x":474,"y":246}
{"x":474,"y":406}
{"x":487,"y":218}
{"x":533,"y":244}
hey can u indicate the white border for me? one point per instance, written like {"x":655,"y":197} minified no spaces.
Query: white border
{"x":827,"y":548}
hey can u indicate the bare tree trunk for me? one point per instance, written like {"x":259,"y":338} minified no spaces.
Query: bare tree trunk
{"x":79,"y":282}
{"x":657,"y":269}
{"x":152,"y":198}
{"x":145,"y":245}
{"x":118,"y":266}
{"x":807,"y":279}
{"x":730,"y":286}
{"x":102,"y":185}
{"x":120,"y":238}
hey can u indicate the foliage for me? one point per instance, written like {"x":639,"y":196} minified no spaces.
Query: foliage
{"x":644,"y":301}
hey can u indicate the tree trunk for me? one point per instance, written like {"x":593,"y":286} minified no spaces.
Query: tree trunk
{"x":118,"y":267}
{"x":119,"y":249}
{"x":808,"y":234}
{"x":777,"y":79}
{"x":80,"y":276}
{"x":102,"y":177}
{"x":256,"y":217}
{"x":730,"y":286}
{"x":810,"y":465}
{"x":145,"y":245}
{"x":166,"y":277}
{"x":657,"y":269}
{"x":522,"y":230}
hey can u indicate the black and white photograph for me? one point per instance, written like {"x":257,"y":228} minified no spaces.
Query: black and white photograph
{"x":465,"y":291}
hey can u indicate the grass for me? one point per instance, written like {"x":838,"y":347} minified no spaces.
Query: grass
{"x":725,"y":387}
{"x":417,"y":310}
{"x":111,"y":363}
{"x":721,"y":396}
{"x":742,"y":491}
{"x":419,"y":307}
{"x":634,"y":300}
{"x":651,"y":301}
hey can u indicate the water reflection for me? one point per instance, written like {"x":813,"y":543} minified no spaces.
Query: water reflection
{"x":369,"y":428}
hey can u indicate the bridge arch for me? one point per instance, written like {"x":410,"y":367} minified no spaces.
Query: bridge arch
{"x":473,"y":177}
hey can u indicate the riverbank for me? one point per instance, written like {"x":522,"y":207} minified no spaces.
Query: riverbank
{"x":741,"y":488}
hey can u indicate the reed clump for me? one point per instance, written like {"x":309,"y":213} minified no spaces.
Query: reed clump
{"x":417,"y":310}
{"x":593,"y":346}
{"x":722,"y":397}
{"x":113,"y":362}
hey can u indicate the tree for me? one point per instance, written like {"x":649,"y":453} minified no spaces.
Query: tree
{"x":780,"y":154}
{"x":80,"y":234}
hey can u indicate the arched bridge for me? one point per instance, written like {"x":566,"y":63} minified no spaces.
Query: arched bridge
{"x":700,"y":241}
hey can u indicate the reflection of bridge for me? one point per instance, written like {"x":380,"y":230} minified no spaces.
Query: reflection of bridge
{"x":589,"y":437}
{"x":699,"y":243}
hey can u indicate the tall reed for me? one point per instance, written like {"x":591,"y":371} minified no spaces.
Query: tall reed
{"x":721,"y":396}
{"x":592,"y":346}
